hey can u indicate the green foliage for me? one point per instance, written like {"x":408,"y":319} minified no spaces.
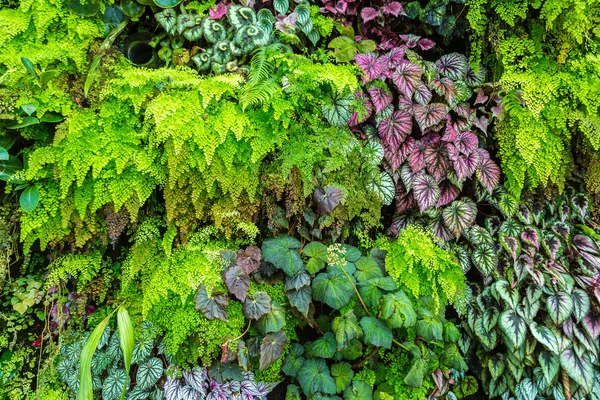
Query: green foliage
{"x":421,"y":268}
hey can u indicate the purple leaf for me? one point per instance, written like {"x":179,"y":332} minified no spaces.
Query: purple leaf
{"x":327,"y":198}
{"x":463,"y":110}
{"x":248,"y":259}
{"x":404,"y":201}
{"x":249,"y":388}
{"x":453,"y":66}
{"x":445,"y":87}
{"x":394,"y":57}
{"x":552,"y":245}
{"x":271,"y":348}
{"x":450,"y":134}
{"x":591,"y":323}
{"x":426,"y":191}
{"x":439,"y":229}
{"x":212,"y":307}
{"x":422,"y":94}
{"x":530,"y":236}
{"x":396,"y":156}
{"x":466,"y":142}
{"x":405,"y":104}
{"x":237,"y":281}
{"x":406,"y":77}
{"x":417,"y":158}
{"x":381,"y":97}
{"x":394,"y":130}
{"x":488,"y":174}
{"x":466,"y":165}
{"x":368,"y":14}
{"x":448,"y":192}
{"x":426,"y":44}
{"x":218,"y":11}
{"x":587,"y":249}
{"x":393,"y":8}
{"x":371,"y":64}
{"x":429,"y":115}
{"x":257,"y":305}
{"x":436,"y":158}
{"x":581,"y":204}
{"x":410,"y":40}
{"x":481,"y":97}
{"x":341,"y":6}
{"x":481,"y":123}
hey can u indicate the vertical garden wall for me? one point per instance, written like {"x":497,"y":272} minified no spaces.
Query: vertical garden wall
{"x":299,"y":199}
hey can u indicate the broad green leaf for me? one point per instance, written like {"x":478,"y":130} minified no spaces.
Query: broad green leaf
{"x":126,"y":339}
{"x":301,"y":299}
{"x":452,"y":359}
{"x":371,"y":291}
{"x":508,"y":294}
{"x":581,"y":304}
{"x":28,"y":66}
{"x":496,"y":365}
{"x":281,"y":6}
{"x":27,"y":121}
{"x":549,"y":363}
{"x":354,"y":350}
{"x":271,"y":348}
{"x":526,"y":390}
{"x":47,"y":76}
{"x":325,"y":346}
{"x":282,"y":252}
{"x":336,"y":109}
{"x":29,"y":198}
{"x":358,"y":391}
{"x":293,"y":361}
{"x":397,"y":310}
{"x":149,"y":373}
{"x":84,"y":8}
{"x":467,"y":387}
{"x":459,"y":215}
{"x":513,"y":327}
{"x":113,"y":385}
{"x":559,"y":307}
{"x":451,"y":333}
{"x":345,"y":48}
{"x":29,"y":108}
{"x":366,"y":269}
{"x":85,"y":391}
{"x":335,"y":290}
{"x":484,"y":258}
{"x":346,"y":328}
{"x":315,"y":250}
{"x":167,"y":3}
{"x":430,"y":328}
{"x":383,"y":186}
{"x":274,"y":320}
{"x":257,"y":305}
{"x":414,"y":377}
{"x":376,"y":332}
{"x":342,"y":375}
{"x":315,"y":377}
{"x":292,"y":392}
{"x":580,"y":369}
{"x":545,"y":336}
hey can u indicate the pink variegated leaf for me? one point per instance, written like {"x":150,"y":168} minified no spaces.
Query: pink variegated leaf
{"x":426,"y":191}
{"x":369,"y":14}
{"x":552,"y":245}
{"x":410,"y":40}
{"x":531,"y":236}
{"x":466,"y":165}
{"x":372,"y":65}
{"x":407,"y":176}
{"x":393,"y":8}
{"x":453,"y":152}
{"x":448,"y":193}
{"x":459,"y":215}
{"x":426,"y":44}
{"x":488,"y":173}
{"x":485,"y":155}
{"x":397,"y":155}
{"x":445,"y":87}
{"x":394,"y":57}
{"x":218,"y":11}
{"x":463,"y":124}
{"x":422,"y":94}
{"x":466,"y":142}
{"x":404,"y":201}
{"x":395,"y":129}
{"x":430,"y":114}
{"x":436,"y":158}
{"x":341,"y":6}
{"x":591,"y":324}
{"x":463,"y":110}
{"x":406,"y":105}
{"x":481,"y":97}
{"x":587,"y":249}
{"x":416,"y":158}
{"x":450,"y":135}
{"x":581,"y":204}
{"x":453,"y":66}
{"x":406,"y":77}
{"x":381,"y":97}
{"x":511,"y":244}
{"x":439,"y":229}
{"x":482,"y":123}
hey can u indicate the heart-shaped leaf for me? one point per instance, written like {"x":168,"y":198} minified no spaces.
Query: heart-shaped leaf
{"x":257,"y":305}
{"x":579,"y":368}
{"x":237,"y":281}
{"x":335,"y":290}
{"x":559,"y":307}
{"x":149,"y":373}
{"x":346,"y":328}
{"x":271,"y":348}
{"x":513,"y":326}
{"x":376,"y":332}
{"x":315,"y":377}
{"x":282,"y":252}
{"x":453,"y":66}
{"x":426,"y":191}
{"x":484,"y":258}
{"x":397,"y":310}
{"x":212,"y":307}
{"x":459,"y":215}
{"x":327,"y":198}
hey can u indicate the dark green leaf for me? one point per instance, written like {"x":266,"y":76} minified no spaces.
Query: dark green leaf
{"x":397,"y":310}
{"x":301,"y":299}
{"x":367,"y":269}
{"x":342,"y":375}
{"x":358,"y":391}
{"x":257,"y":305}
{"x":417,"y":372}
{"x":346,"y":328}
{"x":282,"y":252}
{"x":430,"y":328}
{"x":167,"y":3}
{"x":212,"y":307}
{"x":315,"y":377}
{"x":335,"y":290}
{"x":549,"y":363}
{"x":28,"y":66}
{"x":27,"y":121}
{"x":293,"y":361}
{"x":325,"y":346}
{"x":274,"y":320}
{"x":85,"y":8}
{"x":484,"y":258}
{"x":271,"y":348}
{"x":376,"y":332}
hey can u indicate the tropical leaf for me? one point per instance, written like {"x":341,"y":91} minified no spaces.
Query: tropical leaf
{"x":531,"y":236}
{"x":445,"y":87}
{"x":376,"y":332}
{"x":342,"y":375}
{"x":149,"y":373}
{"x":372,"y":66}
{"x":325,"y":346}
{"x":526,"y":390}
{"x":327,"y":198}
{"x":496,"y":365}
{"x":466,"y":165}
{"x":282,"y":252}
{"x":272,"y":321}
{"x":418,"y":369}
{"x":545,"y":336}
{"x":271,"y":348}
{"x":167,"y":18}
{"x":237,"y":281}
{"x":29,"y":198}
{"x":337,"y":110}
{"x":581,"y":204}
{"x":448,"y":192}
{"x":511,"y":244}
{"x":579,"y":368}
{"x":514,"y":327}
{"x":212,"y":307}
{"x":318,"y":255}
{"x":381,"y":97}
{"x":430,"y":114}
{"x":257,"y":305}
{"x":484,"y":258}
{"x":422,"y":94}
{"x":488,"y":174}
{"x":508,"y":293}
{"x":591,"y":324}
{"x":315,"y":377}
{"x":384,"y":188}
{"x":453,"y":66}
{"x":113,"y":384}
{"x":248,"y":259}
{"x":552,"y":245}
{"x":587,"y":249}
{"x":549,"y":363}
{"x":394,"y":130}
{"x":581,"y":304}
{"x":301,"y":299}
{"x":397,"y":310}
{"x":345,"y":327}
{"x":293,"y":361}
{"x":426,"y":191}
{"x":335,"y":290}
{"x":367,"y":269}
{"x":406,"y":77}
{"x":459,"y":215}
{"x":281,"y":6}
{"x":428,"y":326}
{"x":559,"y":307}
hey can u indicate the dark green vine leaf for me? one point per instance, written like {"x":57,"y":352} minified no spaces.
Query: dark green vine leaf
{"x":301,"y":299}
{"x":282,"y":252}
{"x":335,"y":290}
{"x":366,"y":269}
{"x":212,"y":307}
{"x":359,"y":390}
{"x":271,"y":348}
{"x":257,"y":305}
{"x":417,"y":372}
{"x":376,"y":332}
{"x":315,"y":377}
{"x":325,"y":346}
{"x":293,"y":361}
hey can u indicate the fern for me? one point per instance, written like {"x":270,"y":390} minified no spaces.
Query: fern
{"x":262,"y":84}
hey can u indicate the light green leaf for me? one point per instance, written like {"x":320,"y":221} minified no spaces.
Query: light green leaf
{"x":384,"y":188}
{"x":549,"y":363}
{"x":397,"y":310}
{"x":496,"y":365}
{"x":358,"y":391}
{"x":281,"y":6}
{"x":526,"y":390}
{"x":342,"y":375}
{"x":559,"y":307}
{"x":29,"y":198}
{"x":376,"y":332}
{"x":580,"y":369}
{"x":417,"y":372}
{"x":126,"y":338}
{"x":85,"y":391}
{"x":581,"y":304}
{"x":28,"y":66}
{"x":47,"y":76}
{"x":367,"y":269}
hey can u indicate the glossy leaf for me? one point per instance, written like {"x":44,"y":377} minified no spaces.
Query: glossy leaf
{"x":271,"y":348}
{"x":579,"y":368}
{"x":591,"y":324}
{"x":346,"y":328}
{"x":488,"y":174}
{"x":212,"y":307}
{"x":257,"y":305}
{"x":85,"y":391}
{"x":335,"y":290}
{"x":545,"y":336}
{"x":394,"y":130}
{"x":559,"y":307}
{"x":426,"y":191}
{"x":459,"y":215}
{"x":513,"y":327}
{"x":342,"y":375}
{"x":281,"y":6}
{"x":549,"y":363}
{"x":509,"y":294}
{"x":282,"y":252}
{"x":453,"y":66}
{"x":29,"y":198}
{"x":337,"y":110}
{"x":149,"y":373}
{"x":530,"y":236}
{"x":484,"y":258}
{"x":406,"y":77}
{"x":113,"y":384}
{"x":422,"y":94}
{"x":373,"y":67}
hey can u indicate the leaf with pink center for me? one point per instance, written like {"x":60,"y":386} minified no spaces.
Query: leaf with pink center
{"x":422,"y":94}
{"x":591,"y":324}
{"x":397,"y":155}
{"x":488,"y":173}
{"x":453,"y":66}
{"x":381,"y":97}
{"x":410,"y":40}
{"x":436,"y":158}
{"x":552,"y":245}
{"x":450,"y":135}
{"x":587,"y":249}
{"x":466,"y":165}
{"x":406,"y":77}
{"x":511,"y":244}
{"x":393,"y":8}
{"x":485,"y":155}
{"x":466,"y":142}
{"x":430,"y":114}
{"x":395,"y":129}
{"x":369,"y":14}
{"x":426,"y":44}
{"x":581,"y":204}
{"x":404,"y":201}
{"x":448,"y":193}
{"x":406,"y":105}
{"x":463,"y":110}
{"x":531,"y":236}
{"x":459,"y":215}
{"x":426,"y":191}
{"x":481,"y":123}
{"x":445,"y":87}
{"x":372,"y":65}
{"x":394,"y":57}
{"x":481,"y":97}
{"x":416,"y":159}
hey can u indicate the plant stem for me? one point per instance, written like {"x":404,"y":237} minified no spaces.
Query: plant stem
{"x":356,"y":290}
